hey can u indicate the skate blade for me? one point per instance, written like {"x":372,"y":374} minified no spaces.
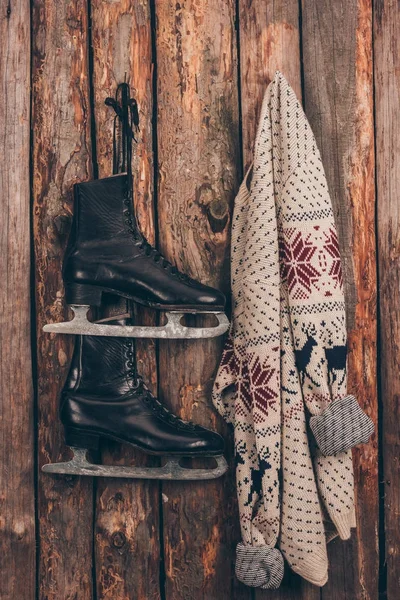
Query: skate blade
{"x":173,"y":329}
{"x":79,"y":465}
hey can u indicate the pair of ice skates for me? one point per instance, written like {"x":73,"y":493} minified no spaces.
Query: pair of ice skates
{"x":104,"y":397}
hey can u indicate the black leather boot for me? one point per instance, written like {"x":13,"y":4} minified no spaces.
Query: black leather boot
{"x":104,"y":397}
{"x":107,"y":253}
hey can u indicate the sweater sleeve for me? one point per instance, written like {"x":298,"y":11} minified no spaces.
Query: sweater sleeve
{"x":311,"y":264}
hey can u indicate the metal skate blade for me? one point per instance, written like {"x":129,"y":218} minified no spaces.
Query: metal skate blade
{"x":173,"y":329}
{"x":79,"y":465}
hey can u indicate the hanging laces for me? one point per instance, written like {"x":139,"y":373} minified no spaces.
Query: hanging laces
{"x":126,"y":121}
{"x":126,"y":124}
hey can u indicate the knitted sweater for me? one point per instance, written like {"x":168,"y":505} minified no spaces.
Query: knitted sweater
{"x":285,"y":357}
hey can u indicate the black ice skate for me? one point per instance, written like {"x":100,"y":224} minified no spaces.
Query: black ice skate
{"x":107,"y":253}
{"x":104,"y":398}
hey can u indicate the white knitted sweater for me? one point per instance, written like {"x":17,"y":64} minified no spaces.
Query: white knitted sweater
{"x":285,"y":357}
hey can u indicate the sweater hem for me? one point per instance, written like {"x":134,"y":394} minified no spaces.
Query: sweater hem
{"x":344,"y":524}
{"x":318,"y":582}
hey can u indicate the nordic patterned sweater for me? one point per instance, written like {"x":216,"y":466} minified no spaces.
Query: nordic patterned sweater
{"x":283,"y":369}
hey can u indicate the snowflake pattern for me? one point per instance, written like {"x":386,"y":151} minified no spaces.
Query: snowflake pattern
{"x":332,"y":247}
{"x":310,"y":261}
{"x":296,"y":253}
{"x":244,"y":390}
{"x":228,"y":359}
{"x":257,"y":389}
{"x":264,"y":386}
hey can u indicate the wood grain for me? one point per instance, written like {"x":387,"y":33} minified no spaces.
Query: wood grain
{"x":17,"y":507}
{"x":61,"y":157}
{"x":197,"y":132}
{"x":122,"y":49}
{"x":337,"y":54}
{"x":269,"y":41}
{"x":139,"y":540}
{"x":127,"y":525}
{"x":387,"y":94}
{"x":329,"y":54}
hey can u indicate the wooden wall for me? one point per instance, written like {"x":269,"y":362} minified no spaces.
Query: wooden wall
{"x":199,"y":69}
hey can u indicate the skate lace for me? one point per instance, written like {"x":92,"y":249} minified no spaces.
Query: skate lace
{"x":154,"y":403}
{"x":127,"y":115}
{"x":146,"y":247}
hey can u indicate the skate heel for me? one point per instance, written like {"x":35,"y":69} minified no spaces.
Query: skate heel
{"x":82,"y":294}
{"x":81,"y":439}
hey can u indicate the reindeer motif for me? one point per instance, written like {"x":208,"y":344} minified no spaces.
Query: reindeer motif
{"x":256,"y":473}
{"x":303,"y":356}
{"x":256,"y":479}
{"x":239,"y":460}
{"x":336,"y":358}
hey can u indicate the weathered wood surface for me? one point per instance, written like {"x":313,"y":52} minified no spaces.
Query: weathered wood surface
{"x":269,"y":41}
{"x":387,"y":96}
{"x":197,"y":133}
{"x":17,"y":464}
{"x":61,"y":156}
{"x":127,"y":513}
{"x":210,"y":66}
{"x":337,"y":57}
{"x":329,"y":55}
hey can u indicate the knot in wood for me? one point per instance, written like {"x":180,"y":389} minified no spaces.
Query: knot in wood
{"x":218,"y":212}
{"x":118,"y":539}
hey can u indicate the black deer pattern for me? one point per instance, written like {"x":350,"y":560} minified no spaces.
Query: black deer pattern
{"x":257,"y":475}
{"x":336,"y":358}
{"x":303,"y":355}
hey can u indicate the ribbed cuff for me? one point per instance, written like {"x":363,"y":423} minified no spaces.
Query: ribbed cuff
{"x":319,"y":581}
{"x":259,"y":566}
{"x":342,"y":425}
{"x":344,"y":523}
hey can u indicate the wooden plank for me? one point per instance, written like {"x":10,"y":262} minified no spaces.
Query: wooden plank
{"x":387,"y":98}
{"x":61,"y":157}
{"x":197,"y":134}
{"x":127,"y":525}
{"x":269,"y":41}
{"x":337,"y":55}
{"x":17,"y":510}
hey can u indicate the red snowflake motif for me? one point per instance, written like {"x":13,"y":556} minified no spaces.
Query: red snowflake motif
{"x":332,"y":247}
{"x":264,"y":396}
{"x":228,"y":360}
{"x":244,"y":388}
{"x":296,"y":253}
